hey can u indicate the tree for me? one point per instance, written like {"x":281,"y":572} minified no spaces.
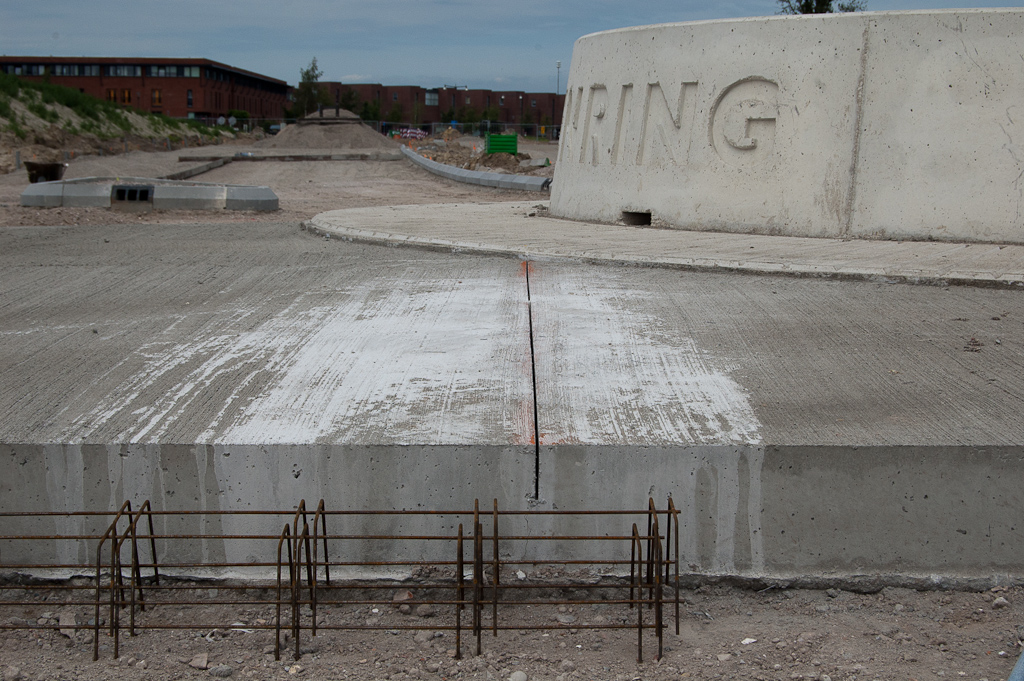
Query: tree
{"x":370,"y":111}
{"x":820,"y":6}
{"x":396,"y":114}
{"x":350,"y":100}
{"x":309,"y":94}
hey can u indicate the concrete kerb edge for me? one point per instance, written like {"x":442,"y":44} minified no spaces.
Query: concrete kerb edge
{"x":197,"y":170}
{"x":692,"y":264}
{"x":497,"y":180}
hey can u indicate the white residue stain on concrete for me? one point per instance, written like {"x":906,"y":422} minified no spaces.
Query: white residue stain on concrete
{"x":430,"y":364}
{"x":424,"y":361}
{"x":611,"y":372}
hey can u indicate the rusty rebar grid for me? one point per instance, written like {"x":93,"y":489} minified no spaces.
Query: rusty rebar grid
{"x":126,"y":579}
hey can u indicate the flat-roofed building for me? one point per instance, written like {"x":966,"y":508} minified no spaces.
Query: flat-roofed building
{"x":180,"y":88}
{"x":410,"y":104}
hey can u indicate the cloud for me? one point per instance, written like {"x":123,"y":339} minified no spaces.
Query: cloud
{"x":411,"y":42}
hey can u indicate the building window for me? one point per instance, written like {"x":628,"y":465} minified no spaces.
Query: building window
{"x":394,"y":97}
{"x":533,"y":103}
{"x":430,"y":99}
{"x":501,"y":100}
{"x":188,"y":98}
{"x":111,"y":95}
{"x":126,"y":96}
{"x":122,"y":70}
{"x":468,"y":101}
{"x":157,"y":99}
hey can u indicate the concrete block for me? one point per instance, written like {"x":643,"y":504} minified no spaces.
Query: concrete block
{"x":251,"y":198}
{"x":877,"y":124}
{"x":189,"y":198}
{"x":43,"y":195}
{"x":87,"y":195}
{"x":527,"y":183}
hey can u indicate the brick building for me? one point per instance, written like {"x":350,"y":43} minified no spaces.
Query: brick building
{"x":179,"y":88}
{"x":415,"y":105}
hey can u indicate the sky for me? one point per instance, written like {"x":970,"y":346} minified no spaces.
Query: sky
{"x":430,"y":43}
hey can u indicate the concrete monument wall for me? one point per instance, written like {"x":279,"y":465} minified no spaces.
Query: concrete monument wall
{"x":898,"y":125}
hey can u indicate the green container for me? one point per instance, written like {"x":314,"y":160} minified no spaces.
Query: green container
{"x":508,"y":144}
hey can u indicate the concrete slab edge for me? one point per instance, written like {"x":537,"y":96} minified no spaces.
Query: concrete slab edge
{"x":109,"y":179}
{"x":332,"y":156}
{"x":499,"y":180}
{"x":197,"y":170}
{"x":320,"y":228}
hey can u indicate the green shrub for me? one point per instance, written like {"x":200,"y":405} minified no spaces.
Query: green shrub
{"x":44,"y":112}
{"x":10,"y":85}
{"x":17,"y":130}
{"x":119,"y":119}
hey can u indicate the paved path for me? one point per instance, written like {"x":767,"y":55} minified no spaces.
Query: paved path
{"x":525,"y":230}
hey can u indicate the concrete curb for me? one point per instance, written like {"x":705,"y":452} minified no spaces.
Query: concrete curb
{"x":498,"y":180}
{"x":197,"y":170}
{"x":826,"y":269}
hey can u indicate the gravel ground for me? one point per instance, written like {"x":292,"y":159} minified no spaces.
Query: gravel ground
{"x":725,"y":633}
{"x":305,"y":188}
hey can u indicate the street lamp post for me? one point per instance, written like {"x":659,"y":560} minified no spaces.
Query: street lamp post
{"x":558,"y":75}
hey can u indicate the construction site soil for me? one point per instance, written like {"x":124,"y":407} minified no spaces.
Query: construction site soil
{"x":726,"y":632}
{"x":332,"y":135}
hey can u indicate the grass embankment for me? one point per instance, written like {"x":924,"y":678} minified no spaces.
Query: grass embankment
{"x":44,"y":120}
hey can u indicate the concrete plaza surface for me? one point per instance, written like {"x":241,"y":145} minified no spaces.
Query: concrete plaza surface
{"x":803,"y":426}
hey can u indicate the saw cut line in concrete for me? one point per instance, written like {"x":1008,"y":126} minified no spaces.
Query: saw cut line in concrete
{"x":525,"y":230}
{"x":527,"y":266}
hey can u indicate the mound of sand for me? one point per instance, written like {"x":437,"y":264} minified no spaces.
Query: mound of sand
{"x":314,"y":132}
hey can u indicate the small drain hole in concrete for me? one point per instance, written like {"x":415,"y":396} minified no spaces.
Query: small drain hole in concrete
{"x":630,"y":217}
{"x":133,"y":194}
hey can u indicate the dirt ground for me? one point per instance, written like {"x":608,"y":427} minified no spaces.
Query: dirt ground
{"x":470,"y":153}
{"x":725,"y":633}
{"x":796,"y":633}
{"x":305,"y":188}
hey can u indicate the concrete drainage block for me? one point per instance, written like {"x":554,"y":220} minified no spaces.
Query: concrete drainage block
{"x":189,"y":198}
{"x":43,"y":195}
{"x":137,"y":193}
{"x":250,"y":198}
